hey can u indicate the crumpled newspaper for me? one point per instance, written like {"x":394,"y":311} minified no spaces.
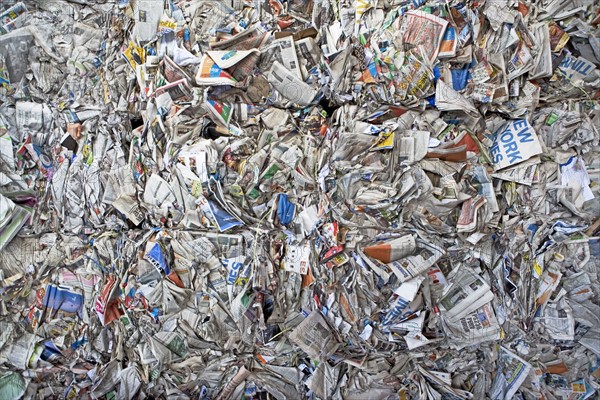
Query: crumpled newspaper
{"x":299,"y":200}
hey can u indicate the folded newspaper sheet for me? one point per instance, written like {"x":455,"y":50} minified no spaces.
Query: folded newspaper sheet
{"x":299,"y":199}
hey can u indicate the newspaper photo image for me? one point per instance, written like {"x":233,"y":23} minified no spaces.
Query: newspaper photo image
{"x":299,"y":200}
